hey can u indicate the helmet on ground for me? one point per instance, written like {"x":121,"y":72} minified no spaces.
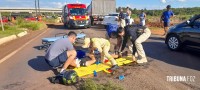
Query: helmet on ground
{"x":70,"y":77}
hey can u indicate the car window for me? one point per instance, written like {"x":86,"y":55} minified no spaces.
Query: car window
{"x":113,"y":14}
{"x":125,"y":14}
{"x":77,"y":11}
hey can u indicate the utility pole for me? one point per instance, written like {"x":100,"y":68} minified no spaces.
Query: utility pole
{"x":1,"y":22}
{"x":36,"y":7}
{"x":39,"y":7}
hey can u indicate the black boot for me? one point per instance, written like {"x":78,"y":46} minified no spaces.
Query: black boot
{"x":114,"y":67}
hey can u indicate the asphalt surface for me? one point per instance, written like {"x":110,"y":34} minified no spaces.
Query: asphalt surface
{"x":27,"y":70}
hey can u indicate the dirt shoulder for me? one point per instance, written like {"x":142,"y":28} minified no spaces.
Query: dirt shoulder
{"x":157,"y":31}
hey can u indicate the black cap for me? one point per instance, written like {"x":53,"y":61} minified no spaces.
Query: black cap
{"x":120,"y":30}
{"x":169,"y":6}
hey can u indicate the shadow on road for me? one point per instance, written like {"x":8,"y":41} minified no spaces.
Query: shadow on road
{"x":98,"y":26}
{"x":61,"y":27}
{"x":39,"y":64}
{"x":159,"y":51}
{"x":157,"y":38}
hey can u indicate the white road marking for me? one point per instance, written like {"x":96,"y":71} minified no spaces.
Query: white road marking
{"x":11,"y":54}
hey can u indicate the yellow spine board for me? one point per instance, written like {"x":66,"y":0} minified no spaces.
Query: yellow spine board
{"x":83,"y":71}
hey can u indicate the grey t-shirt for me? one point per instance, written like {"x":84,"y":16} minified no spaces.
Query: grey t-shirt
{"x":58,"y":47}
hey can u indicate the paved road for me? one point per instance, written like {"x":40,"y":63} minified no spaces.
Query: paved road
{"x":27,"y":69}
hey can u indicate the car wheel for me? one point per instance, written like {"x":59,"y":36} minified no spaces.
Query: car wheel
{"x":173,"y":43}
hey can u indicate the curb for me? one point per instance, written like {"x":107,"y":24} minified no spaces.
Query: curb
{"x":22,"y":34}
{"x":12,"y":37}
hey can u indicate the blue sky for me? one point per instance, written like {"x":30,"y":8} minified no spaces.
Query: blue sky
{"x":139,"y":4}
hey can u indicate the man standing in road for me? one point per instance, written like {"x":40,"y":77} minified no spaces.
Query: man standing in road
{"x":62,"y":52}
{"x":128,"y":17}
{"x":142,"y":17}
{"x":166,"y":15}
{"x":122,"y":18}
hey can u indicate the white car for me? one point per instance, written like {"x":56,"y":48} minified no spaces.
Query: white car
{"x":113,"y":19}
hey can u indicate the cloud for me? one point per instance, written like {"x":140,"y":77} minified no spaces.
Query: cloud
{"x":181,"y":0}
{"x":78,"y":1}
{"x":163,"y":1}
{"x":130,"y":5}
{"x":87,"y":4}
{"x":58,"y":4}
{"x":18,"y":1}
{"x":11,"y":0}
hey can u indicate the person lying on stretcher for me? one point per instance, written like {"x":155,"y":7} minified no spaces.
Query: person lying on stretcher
{"x":84,"y":62}
{"x":103,"y":46}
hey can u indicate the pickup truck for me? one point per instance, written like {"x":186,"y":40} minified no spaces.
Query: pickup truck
{"x":113,"y":19}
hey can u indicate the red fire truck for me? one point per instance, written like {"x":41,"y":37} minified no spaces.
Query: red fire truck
{"x":75,"y":15}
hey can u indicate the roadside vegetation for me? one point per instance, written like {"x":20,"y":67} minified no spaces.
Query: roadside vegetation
{"x":90,"y":84}
{"x":52,"y":19}
{"x":153,"y":16}
{"x":20,"y":25}
{"x":9,"y":30}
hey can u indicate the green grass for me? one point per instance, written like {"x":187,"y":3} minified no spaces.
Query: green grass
{"x":89,"y":84}
{"x":32,"y":25}
{"x":9,"y":30}
{"x":184,"y":17}
{"x":134,"y":16}
{"x":51,"y":20}
{"x":16,"y":27}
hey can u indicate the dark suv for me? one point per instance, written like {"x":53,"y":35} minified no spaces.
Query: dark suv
{"x":184,"y":34}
